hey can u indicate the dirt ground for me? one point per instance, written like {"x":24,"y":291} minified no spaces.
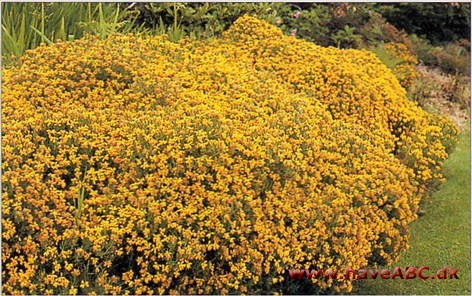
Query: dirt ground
{"x":452,"y":110}
{"x":439,"y":98}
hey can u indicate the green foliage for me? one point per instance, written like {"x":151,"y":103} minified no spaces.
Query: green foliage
{"x":198,"y":20}
{"x":105,"y":20}
{"x":438,"y":22}
{"x":422,"y":48}
{"x":26,"y":25}
{"x":377,"y":29}
{"x":311,"y":23}
{"x":351,"y":14}
{"x":16,"y":23}
{"x":387,"y":58}
{"x":347,"y":38}
{"x":452,"y":58}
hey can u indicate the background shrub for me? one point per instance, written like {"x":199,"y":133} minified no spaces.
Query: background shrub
{"x":438,"y":22}
{"x":452,"y":59}
{"x":377,"y":30}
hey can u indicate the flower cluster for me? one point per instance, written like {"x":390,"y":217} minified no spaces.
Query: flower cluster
{"x":404,"y":71}
{"x":134,"y":165}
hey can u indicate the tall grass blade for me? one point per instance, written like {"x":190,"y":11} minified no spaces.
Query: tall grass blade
{"x":62,"y":31}
{"x":42,"y":22}
{"x":26,"y":25}
{"x":44,"y":38}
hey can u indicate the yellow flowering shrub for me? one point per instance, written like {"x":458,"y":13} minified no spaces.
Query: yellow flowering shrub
{"x":134,"y":165}
{"x":404,"y":71}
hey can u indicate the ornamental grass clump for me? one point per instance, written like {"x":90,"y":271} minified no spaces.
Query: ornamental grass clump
{"x":206,"y":167}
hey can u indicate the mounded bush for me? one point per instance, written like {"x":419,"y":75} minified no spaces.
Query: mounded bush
{"x":134,"y":165}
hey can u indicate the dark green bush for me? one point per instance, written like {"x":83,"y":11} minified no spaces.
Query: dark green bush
{"x":199,"y":20}
{"x":438,"y":22}
{"x":422,"y":48}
